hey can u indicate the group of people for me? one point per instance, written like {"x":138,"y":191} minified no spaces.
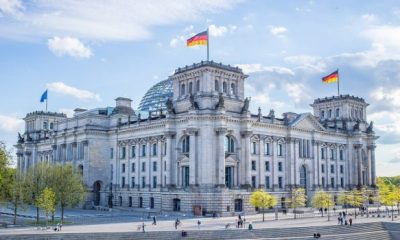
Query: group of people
{"x":342,"y":219}
{"x":58,"y":227}
{"x":240,"y":223}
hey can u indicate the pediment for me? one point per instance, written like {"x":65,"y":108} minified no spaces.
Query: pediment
{"x":307,"y":122}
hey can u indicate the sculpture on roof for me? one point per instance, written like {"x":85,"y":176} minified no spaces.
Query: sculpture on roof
{"x":357,"y":126}
{"x":193,"y":103}
{"x":170,"y":106}
{"x":370,"y":128}
{"x":246,"y":105}
{"x":221,"y":102}
{"x":20,"y":138}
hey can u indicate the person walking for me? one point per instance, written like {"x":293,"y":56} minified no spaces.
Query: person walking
{"x":154,"y":220}
{"x":143,"y":227}
{"x":350,"y":221}
{"x":250,"y":226}
{"x":338,"y":220}
{"x":198,"y":224}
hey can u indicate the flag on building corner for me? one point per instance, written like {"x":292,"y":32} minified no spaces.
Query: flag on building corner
{"x":44,"y":96}
{"x":331,"y":78}
{"x":198,"y":39}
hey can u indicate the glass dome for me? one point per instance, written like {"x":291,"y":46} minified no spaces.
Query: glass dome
{"x":156,"y":96}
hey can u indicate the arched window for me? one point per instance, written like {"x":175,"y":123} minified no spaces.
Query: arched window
{"x":330,"y":113}
{"x":224,"y":87}
{"x":337,"y":112}
{"x":216,"y":86}
{"x":233,"y":89}
{"x":229,"y":144}
{"x":182,"y":89}
{"x":190,"y":87}
{"x":185,"y":144}
{"x":197,"y":85}
{"x":322,"y":114}
{"x":51,"y":126}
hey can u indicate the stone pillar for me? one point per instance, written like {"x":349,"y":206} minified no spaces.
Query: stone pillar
{"x":273,"y":165}
{"x":221,"y":156}
{"x":315,"y":163}
{"x":247,"y":156}
{"x":171,"y":162}
{"x":372,"y":164}
{"x":357,"y":165}
{"x":149,"y":165}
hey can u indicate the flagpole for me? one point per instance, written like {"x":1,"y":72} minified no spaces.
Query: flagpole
{"x":208,"y":48}
{"x":338,"y":79}
{"x":47,"y":99}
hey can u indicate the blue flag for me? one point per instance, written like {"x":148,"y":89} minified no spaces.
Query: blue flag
{"x":44,"y":96}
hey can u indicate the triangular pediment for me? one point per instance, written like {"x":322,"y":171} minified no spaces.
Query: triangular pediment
{"x":306,"y":121}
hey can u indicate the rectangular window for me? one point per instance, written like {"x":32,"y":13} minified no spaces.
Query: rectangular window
{"x":267,"y":166}
{"x":266,"y":149}
{"x":143,"y":150}
{"x":154,"y":149}
{"x":280,"y":166}
{"x":322,"y":153}
{"x":323,"y":181}
{"x":341,"y":169}
{"x":267,"y":184}
{"x":322,"y":168}
{"x":341,"y":182}
{"x":123,"y":167}
{"x":143,"y":182}
{"x":332,"y":154}
{"x":122,"y":153}
{"x":133,"y":183}
{"x":280,"y":182}
{"x":280,"y":152}
{"x":332,"y":182}
{"x":254,"y":147}
{"x":154,"y":166}
{"x":253,"y":181}
{"x":133,"y":151}
{"x":133,"y":167}
{"x":332,"y":168}
{"x":143,"y":166}
{"x":341,"y":156}
{"x":165,"y":149}
{"x":165,"y":165}
{"x":123,"y":182}
{"x":253,"y":165}
{"x":111,"y":153}
{"x":154,"y":181}
{"x":185,"y":176}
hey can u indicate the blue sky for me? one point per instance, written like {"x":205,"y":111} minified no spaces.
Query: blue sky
{"x":87,"y":53}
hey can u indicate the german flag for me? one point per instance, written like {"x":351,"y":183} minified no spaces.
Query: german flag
{"x":198,"y":39}
{"x":331,"y":78}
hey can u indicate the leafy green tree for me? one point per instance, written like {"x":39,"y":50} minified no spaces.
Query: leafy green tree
{"x":47,"y":201}
{"x":298,"y":199}
{"x":5,"y":174}
{"x":322,"y":200}
{"x":357,"y":200}
{"x":68,"y":187}
{"x":262,"y":200}
{"x":16,"y":195}
{"x":345,"y":199}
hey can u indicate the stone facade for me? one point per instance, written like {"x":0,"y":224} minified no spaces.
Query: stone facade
{"x":206,"y":152}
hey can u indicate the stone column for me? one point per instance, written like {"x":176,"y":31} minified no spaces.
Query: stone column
{"x":357,"y":165}
{"x":192,"y":156}
{"x":273,"y":165}
{"x":247,"y":156}
{"x":171,"y":163}
{"x":221,"y":132}
{"x":149,"y":165}
{"x":372,"y":164}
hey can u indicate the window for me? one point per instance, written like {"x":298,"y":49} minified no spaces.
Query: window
{"x":122,"y":153}
{"x":253,"y":165}
{"x":133,"y":167}
{"x":267,"y":166}
{"x":123,"y":182}
{"x":254,"y":147}
{"x":322,"y":114}
{"x":45,"y":125}
{"x":185,"y":176}
{"x":280,"y":166}
{"x":229,"y":144}
{"x":198,"y":85}
{"x":154,"y":181}
{"x":332,"y":182}
{"x":143,"y":166}
{"x":143,"y":150}
{"x":267,"y":183}
{"x":176,"y":204}
{"x":154,"y":149}
{"x":151,"y":202}
{"x":186,"y":144}
{"x":341,"y":182}
{"x":182,"y":89}
{"x":341,"y":169}
{"x":333,"y":154}
{"x":123,"y":167}
{"x":216,"y":86}
{"x":233,"y":89}
{"x":130,"y":202}
{"x":111,"y":153}
{"x":323,"y":152}
{"x":165,"y":165}
{"x":330,"y":113}
{"x":266,"y":149}
{"x":280,"y":182}
{"x":133,"y":183}
{"x":323,"y":181}
{"x":190,"y":87}
{"x":341,"y":155}
{"x":165,"y":149}
{"x":120,"y":200}
{"x":224,"y":87}
{"x":133,"y":151}
{"x":143,"y":182}
{"x":322,"y":168}
{"x":140,"y":202}
{"x":51,"y":126}
{"x":253,"y":181}
{"x":238,"y":205}
{"x":154,"y":166}
{"x":337,"y":112}
{"x":280,"y":152}
{"x":332,"y":168}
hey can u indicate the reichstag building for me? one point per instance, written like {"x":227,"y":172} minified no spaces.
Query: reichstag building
{"x":194,"y":146}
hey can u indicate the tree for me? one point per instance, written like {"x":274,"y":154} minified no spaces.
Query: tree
{"x":5,"y":177}
{"x":298,"y":199}
{"x":357,"y":200}
{"x":47,"y":201}
{"x":322,"y":200}
{"x":68,"y":187}
{"x":15,"y":194}
{"x":262,"y":200}
{"x":345,"y":199}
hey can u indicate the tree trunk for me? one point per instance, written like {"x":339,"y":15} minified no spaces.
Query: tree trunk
{"x":355,"y":212}
{"x":15,"y":214}
{"x":52,"y":216}
{"x":37,"y":215}
{"x":294,"y":210}
{"x":263,"y":214}
{"x":62,"y":214}
{"x":392,"y":213}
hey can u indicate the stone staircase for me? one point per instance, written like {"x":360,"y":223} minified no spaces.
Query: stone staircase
{"x":366,"y":231}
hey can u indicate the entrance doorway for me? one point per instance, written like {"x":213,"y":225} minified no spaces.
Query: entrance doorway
{"x":96,"y":192}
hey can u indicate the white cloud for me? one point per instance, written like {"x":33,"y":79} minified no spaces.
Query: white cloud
{"x":369,"y":18}
{"x":101,"y":20}
{"x":178,"y":40}
{"x":298,"y":92}
{"x":277,"y":31}
{"x":68,"y":46}
{"x":389,"y":95}
{"x":60,"y":87}
{"x":257,"y":67}
{"x":11,"y":7}
{"x":11,"y":124}
{"x":307,"y":63}
{"x":69,"y":112}
{"x":220,"y":31}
